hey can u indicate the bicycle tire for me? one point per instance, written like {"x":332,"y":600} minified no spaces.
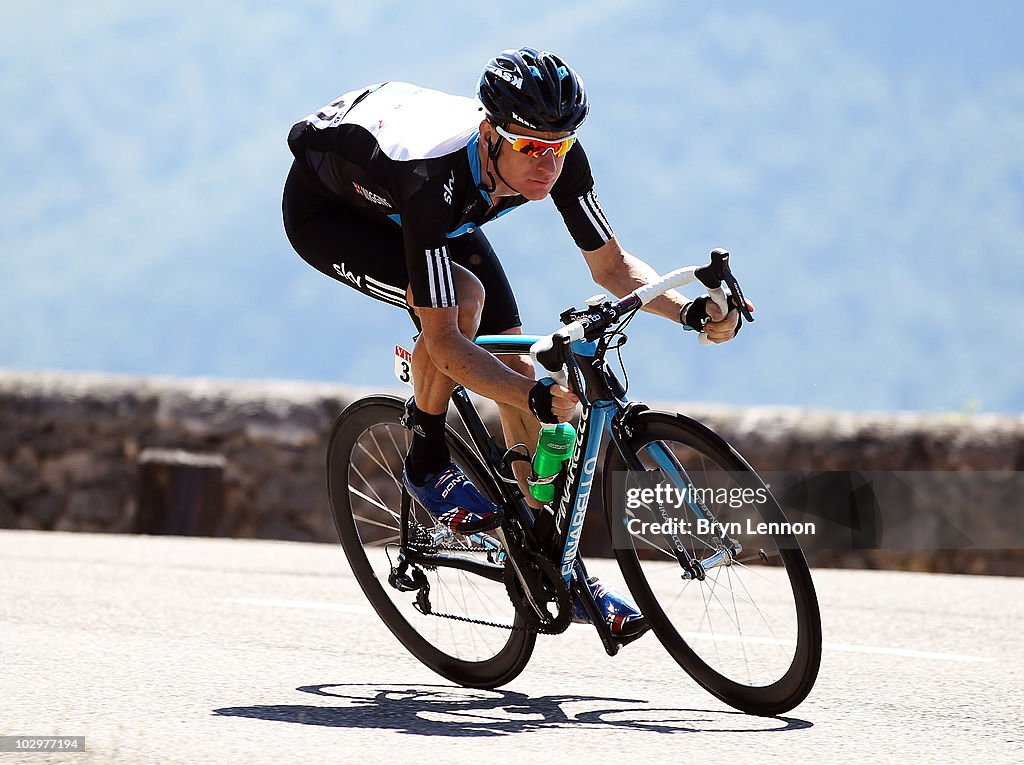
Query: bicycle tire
{"x":458,"y":651}
{"x":779,"y":671}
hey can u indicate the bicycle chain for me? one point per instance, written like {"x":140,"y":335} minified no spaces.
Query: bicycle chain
{"x":483,"y":622}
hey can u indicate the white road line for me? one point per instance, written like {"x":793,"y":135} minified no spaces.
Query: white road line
{"x":848,"y":647}
{"x":315,"y":605}
{"x":909,"y":652}
{"x":694,"y":636}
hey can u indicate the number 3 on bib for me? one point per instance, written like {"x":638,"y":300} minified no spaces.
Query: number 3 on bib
{"x":403,"y":365}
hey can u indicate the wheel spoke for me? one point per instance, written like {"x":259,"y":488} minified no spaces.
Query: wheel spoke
{"x":375,"y":502}
{"x":368,"y":456}
{"x":370,"y":486}
{"x":744,"y":617}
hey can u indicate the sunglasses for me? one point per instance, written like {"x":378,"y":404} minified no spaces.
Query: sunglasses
{"x":535,"y":147}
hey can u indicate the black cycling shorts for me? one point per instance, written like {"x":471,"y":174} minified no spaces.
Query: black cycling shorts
{"x":369,"y":255}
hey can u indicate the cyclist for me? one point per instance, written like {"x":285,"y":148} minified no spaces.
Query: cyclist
{"x":387,"y":193}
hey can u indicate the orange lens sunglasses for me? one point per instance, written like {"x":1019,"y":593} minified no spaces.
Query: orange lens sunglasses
{"x":535,"y":147}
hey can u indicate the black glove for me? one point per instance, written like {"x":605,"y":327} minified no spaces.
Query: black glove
{"x":540,"y":401}
{"x":697,"y":314}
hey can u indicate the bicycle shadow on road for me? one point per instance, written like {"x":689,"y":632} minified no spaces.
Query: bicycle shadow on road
{"x":451,"y":710}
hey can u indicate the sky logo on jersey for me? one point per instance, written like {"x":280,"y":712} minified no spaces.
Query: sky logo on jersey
{"x":449,"y":188}
{"x":375,"y":198}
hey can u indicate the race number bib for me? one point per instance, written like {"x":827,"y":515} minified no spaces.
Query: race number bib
{"x":403,"y":365}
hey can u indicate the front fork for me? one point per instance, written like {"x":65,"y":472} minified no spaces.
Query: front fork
{"x":727,"y":549}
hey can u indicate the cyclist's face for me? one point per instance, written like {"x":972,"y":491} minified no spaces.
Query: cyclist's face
{"x":532,"y":177}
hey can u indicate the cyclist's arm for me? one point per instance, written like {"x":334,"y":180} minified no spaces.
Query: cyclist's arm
{"x":469,"y":365}
{"x":434,"y":284}
{"x":611,"y":266}
{"x":620,"y":273}
{"x":465,"y":362}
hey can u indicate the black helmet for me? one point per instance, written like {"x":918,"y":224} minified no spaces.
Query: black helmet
{"x":533,"y":88}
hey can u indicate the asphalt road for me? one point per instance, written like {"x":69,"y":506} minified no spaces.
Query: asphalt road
{"x":227,"y":651}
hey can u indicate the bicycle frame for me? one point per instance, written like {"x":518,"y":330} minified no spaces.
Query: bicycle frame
{"x":533,"y":554}
{"x":606,"y":410}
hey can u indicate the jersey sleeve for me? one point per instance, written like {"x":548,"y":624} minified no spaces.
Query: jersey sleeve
{"x":574,"y":197}
{"x":426,"y":217}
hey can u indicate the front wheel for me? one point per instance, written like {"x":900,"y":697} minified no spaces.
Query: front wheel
{"x":461,"y":625}
{"x":712,"y":564}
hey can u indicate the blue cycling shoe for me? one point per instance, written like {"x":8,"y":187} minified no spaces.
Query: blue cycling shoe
{"x":623,"y":617}
{"x":452,"y":499}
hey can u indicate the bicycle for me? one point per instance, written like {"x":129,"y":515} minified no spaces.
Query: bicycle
{"x":732,"y":603}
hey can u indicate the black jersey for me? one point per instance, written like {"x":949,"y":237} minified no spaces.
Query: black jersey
{"x":409,"y":155}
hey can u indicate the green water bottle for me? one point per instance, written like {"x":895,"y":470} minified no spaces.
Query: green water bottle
{"x":554,"y":447}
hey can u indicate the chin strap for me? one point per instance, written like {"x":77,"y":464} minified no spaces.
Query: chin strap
{"x":492,"y":158}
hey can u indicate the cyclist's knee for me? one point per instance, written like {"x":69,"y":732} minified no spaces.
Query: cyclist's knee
{"x":470,"y":311}
{"x":471,"y":295}
{"x":521,"y":364}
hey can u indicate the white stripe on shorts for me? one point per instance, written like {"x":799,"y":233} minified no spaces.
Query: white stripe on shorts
{"x":398,"y":292}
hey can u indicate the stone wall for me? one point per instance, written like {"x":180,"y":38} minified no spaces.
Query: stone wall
{"x":70,"y":444}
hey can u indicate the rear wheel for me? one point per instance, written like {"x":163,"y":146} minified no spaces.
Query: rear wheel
{"x":748,"y":630}
{"x":365,"y":457}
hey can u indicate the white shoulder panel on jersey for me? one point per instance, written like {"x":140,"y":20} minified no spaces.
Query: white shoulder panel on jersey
{"x":410,"y":122}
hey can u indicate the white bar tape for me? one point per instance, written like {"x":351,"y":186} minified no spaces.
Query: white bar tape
{"x":678,"y":278}
{"x":718,"y":295}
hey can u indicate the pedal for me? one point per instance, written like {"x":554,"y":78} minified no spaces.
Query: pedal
{"x":612,"y":643}
{"x":624,"y":640}
{"x":406,"y":419}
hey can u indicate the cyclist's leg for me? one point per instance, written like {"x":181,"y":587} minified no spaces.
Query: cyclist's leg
{"x":430,"y":476}
{"x":340,"y":242}
{"x":518,"y":425}
{"x":500,"y":316}
{"x":432,"y":387}
{"x":369,"y":256}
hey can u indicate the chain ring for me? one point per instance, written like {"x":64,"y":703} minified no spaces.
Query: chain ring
{"x":543,"y":577}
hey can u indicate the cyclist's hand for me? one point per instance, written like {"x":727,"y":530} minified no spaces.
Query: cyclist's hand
{"x":720,"y":330}
{"x":563,"y":402}
{"x":717,"y":328}
{"x":552,"y":403}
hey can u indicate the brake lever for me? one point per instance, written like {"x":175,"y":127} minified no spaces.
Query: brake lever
{"x":736,"y":298}
{"x":717,"y":271}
